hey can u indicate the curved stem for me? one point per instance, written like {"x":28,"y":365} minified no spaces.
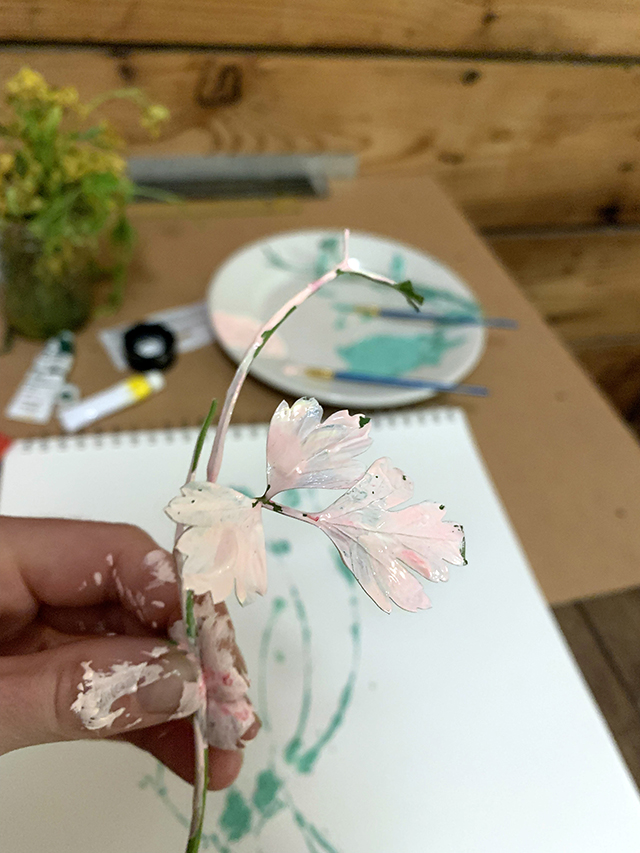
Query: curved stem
{"x":265,"y":332}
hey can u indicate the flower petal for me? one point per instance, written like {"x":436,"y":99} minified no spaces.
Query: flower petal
{"x":380,"y":545}
{"x":224,"y":543}
{"x":304,"y":453}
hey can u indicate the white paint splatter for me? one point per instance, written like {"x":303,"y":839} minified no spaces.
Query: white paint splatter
{"x":158,"y":603}
{"x":82,"y":586}
{"x":158,"y":651}
{"x":161,"y":566}
{"x":110,"y":560}
{"x":97,"y":578}
{"x":193,"y":693}
{"x":99,"y":690}
{"x":154,"y":624}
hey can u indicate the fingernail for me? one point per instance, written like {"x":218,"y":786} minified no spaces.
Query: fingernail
{"x":174,"y":691}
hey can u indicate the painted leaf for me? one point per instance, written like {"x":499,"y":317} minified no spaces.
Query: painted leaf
{"x":224,"y":542}
{"x":303,"y":452}
{"x":229,"y":710}
{"x":380,"y":545}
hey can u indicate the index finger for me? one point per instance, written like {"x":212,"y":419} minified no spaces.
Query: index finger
{"x":64,"y":563}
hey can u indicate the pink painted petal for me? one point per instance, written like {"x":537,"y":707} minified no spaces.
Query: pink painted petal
{"x":229,"y":711}
{"x":223,"y":544}
{"x":380,"y":545}
{"x":305,"y":453}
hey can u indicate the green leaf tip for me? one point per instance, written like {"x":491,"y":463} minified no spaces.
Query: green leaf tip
{"x":189,"y":616}
{"x":202,"y":435}
{"x":409,"y":292}
{"x":363,"y":421}
{"x":266,"y":335}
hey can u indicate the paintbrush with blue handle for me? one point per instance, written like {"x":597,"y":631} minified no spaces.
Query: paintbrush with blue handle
{"x":393,"y":381}
{"x":431,"y":317}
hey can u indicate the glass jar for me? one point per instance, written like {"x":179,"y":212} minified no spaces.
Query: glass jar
{"x":39,"y":302}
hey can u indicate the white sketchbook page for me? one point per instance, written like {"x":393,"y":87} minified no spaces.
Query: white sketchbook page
{"x":465,"y":729}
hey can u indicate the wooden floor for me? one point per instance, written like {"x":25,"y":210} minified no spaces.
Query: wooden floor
{"x":604,"y":636}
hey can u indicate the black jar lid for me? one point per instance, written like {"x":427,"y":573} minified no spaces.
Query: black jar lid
{"x":149,"y":346}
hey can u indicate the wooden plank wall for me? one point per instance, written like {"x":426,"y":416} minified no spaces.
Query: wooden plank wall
{"x":528,"y":113}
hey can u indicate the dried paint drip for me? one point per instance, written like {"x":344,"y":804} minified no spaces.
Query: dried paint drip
{"x":99,"y":690}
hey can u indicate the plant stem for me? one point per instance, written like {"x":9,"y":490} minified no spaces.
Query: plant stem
{"x":215,"y":460}
{"x":289,"y":511}
{"x":200,"y":781}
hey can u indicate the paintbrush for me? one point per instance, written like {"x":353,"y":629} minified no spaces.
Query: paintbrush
{"x":431,"y":317}
{"x":392,"y":381}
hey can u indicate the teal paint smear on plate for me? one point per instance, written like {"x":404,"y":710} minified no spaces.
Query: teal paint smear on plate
{"x":397,"y":267}
{"x":395,"y":355}
{"x":329,"y":255}
{"x":433,"y":295}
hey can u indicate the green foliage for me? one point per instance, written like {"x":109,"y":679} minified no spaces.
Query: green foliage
{"x":405,"y":288}
{"x":202,"y":435}
{"x":266,"y":335}
{"x":64,"y":181}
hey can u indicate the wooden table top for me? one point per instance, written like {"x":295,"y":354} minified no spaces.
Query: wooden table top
{"x":566,"y":467}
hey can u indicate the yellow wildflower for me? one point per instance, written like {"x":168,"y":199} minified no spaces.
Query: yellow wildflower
{"x":66,"y":97}
{"x":153,"y":117}
{"x":6,"y":163}
{"x":27,"y":83}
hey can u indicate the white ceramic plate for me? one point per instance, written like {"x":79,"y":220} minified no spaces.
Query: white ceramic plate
{"x":254,"y":282}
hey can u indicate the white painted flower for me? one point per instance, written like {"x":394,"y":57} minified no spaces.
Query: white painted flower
{"x":305,"y":453}
{"x":224,"y":541}
{"x":379,"y":545}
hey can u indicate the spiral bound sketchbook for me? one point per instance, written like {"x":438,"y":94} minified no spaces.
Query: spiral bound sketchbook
{"x":466,"y":728}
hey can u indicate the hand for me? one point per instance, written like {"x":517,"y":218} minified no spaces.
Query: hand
{"x":77,"y":598}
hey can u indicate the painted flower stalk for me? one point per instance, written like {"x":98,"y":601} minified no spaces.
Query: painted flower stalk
{"x":220,"y":546}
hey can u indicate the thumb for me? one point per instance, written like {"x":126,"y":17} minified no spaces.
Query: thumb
{"x":94,"y":688}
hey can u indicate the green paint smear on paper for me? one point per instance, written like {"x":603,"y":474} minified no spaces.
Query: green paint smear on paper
{"x":290,"y":498}
{"x":267,"y":787}
{"x":235,"y":820}
{"x":307,"y":760}
{"x":394,"y":355}
{"x":277,"y":606}
{"x":244,"y":490}
{"x":293,"y":747}
{"x":279,"y":546}
{"x":244,"y":816}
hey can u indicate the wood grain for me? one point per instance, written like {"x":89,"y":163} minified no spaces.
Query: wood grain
{"x":586,"y":286}
{"x":617,"y":703}
{"x":616,"y":619}
{"x":559,"y":26}
{"x":616,"y":370}
{"x":517,"y":144}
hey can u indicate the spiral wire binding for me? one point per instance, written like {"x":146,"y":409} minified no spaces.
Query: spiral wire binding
{"x":237,"y":432}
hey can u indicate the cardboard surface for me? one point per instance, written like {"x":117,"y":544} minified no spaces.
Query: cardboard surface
{"x":566,"y":467}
